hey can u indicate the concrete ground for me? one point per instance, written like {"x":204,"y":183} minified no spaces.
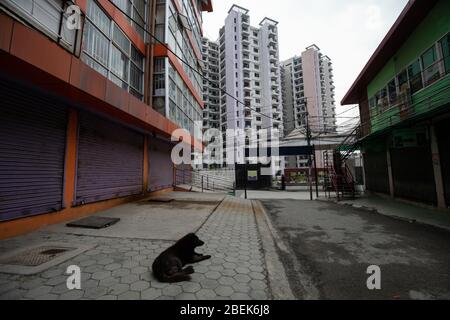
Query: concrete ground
{"x":328,"y":248}
{"x":277,"y":194}
{"x":118,"y":264}
{"x":402,"y":210}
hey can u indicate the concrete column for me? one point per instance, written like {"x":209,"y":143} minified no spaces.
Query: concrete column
{"x":440,"y":193}
{"x":390,"y":176}
{"x":70,"y":158}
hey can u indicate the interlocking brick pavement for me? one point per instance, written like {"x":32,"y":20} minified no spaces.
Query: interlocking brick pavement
{"x":120,"y":268}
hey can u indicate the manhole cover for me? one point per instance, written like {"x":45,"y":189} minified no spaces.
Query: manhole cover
{"x":94,"y":223}
{"x":36,"y":256}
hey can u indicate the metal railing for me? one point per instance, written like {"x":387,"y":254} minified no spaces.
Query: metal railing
{"x":202,"y":181}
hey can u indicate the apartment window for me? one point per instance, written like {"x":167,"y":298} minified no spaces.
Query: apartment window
{"x":107,"y":50}
{"x":392,"y":91}
{"x":445,"y":47}
{"x":415,"y":76}
{"x":50,"y":17}
{"x":402,"y":79}
{"x":136,"y":9}
{"x":431,"y":71}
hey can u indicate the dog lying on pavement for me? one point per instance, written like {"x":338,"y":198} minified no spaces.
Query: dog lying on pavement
{"x":168,"y":266}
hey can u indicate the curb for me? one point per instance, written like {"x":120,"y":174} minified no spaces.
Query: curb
{"x":375,"y":210}
{"x":277,"y":278}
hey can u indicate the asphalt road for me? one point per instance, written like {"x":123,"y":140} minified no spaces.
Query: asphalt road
{"x":330,"y":246}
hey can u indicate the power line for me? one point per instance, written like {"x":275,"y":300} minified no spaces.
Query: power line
{"x":185,"y":62}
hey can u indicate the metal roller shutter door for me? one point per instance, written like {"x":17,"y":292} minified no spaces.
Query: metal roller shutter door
{"x":160,"y":165}
{"x":413,"y":174}
{"x":110,"y":160}
{"x":32,"y":149}
{"x":376,"y":171}
{"x":443,"y":137}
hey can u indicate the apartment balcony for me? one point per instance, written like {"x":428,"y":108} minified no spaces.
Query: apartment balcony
{"x":245,"y":40}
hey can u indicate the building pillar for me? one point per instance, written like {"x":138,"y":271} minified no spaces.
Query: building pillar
{"x":436,"y":159}
{"x":390,"y":175}
{"x":70,"y":158}
{"x":145,"y":166}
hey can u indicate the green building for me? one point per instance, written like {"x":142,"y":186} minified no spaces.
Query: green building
{"x":403,"y":94}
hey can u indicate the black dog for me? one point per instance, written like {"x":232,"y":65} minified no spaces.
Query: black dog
{"x":168,"y":266}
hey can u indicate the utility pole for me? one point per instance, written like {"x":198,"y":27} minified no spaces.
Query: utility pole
{"x":308,"y":139}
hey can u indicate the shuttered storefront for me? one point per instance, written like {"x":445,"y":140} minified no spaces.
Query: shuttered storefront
{"x":413,"y":175}
{"x":160,"y":165}
{"x":32,"y":149}
{"x":110,"y":160}
{"x":376,"y":170}
{"x":443,"y":137}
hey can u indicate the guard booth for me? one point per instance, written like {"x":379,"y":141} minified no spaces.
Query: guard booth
{"x":249,"y":175}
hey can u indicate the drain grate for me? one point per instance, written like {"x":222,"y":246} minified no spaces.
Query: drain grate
{"x":36,"y":256}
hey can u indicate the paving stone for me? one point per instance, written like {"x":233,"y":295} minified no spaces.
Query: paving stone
{"x":121,"y":272}
{"x":107,"y":297}
{"x":139,"y":270}
{"x":87,"y":263}
{"x":257,"y":275}
{"x":129,"y":278}
{"x":89,"y":284}
{"x":15,"y":294}
{"x":258,"y":295}
{"x":172,"y":290}
{"x":212,"y":275}
{"x":186,"y":296}
{"x":130,"y":264}
{"x":95,"y":292}
{"x":56,"y":280}
{"x":29,"y":284}
{"x":105,"y":261}
{"x":151,"y":294}
{"x":226,"y":281}
{"x":113,"y":266}
{"x":240,"y":296}
{"x":209,"y":284}
{"x":205,"y":294}
{"x":72,"y":295}
{"x":139,"y":285}
{"x":243,"y":270}
{"x":224,"y":291}
{"x":190,"y":287}
{"x":109,"y":282}
{"x":129,"y":295}
{"x":118,"y":289}
{"x":38,"y":292}
{"x":94,"y":268}
{"x":241,"y":287}
{"x":51,"y":273}
{"x":258,"y":284}
{"x":100,"y":275}
{"x":243,"y":278}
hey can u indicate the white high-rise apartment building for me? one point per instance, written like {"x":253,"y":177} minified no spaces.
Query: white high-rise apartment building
{"x":250,"y":72}
{"x":308,"y":91}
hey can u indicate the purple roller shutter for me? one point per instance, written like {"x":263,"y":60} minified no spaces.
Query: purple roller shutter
{"x":32,"y":148}
{"x":160,"y":164}
{"x":110,"y":160}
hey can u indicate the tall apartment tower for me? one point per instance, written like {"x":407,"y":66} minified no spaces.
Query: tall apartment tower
{"x":211,"y":91}
{"x":308,"y":91}
{"x":250,"y":72}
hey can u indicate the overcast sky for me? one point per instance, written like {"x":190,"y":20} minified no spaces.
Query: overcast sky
{"x":348,"y":31}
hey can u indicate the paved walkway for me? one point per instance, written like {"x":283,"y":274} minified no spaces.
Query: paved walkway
{"x":119,"y":268}
{"x":402,"y":210}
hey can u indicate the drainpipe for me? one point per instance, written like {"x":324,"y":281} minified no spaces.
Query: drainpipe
{"x":390,"y":175}
{"x":148,"y":85}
